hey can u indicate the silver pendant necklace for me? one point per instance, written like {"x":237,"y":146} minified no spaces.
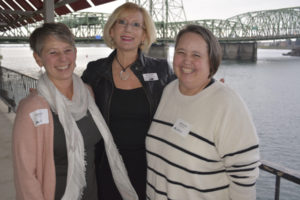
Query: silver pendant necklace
{"x":124,"y":75}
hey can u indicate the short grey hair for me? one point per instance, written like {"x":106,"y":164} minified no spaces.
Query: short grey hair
{"x":57,"y":30}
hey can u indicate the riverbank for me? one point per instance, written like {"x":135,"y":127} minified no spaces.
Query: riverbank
{"x":7,"y":189}
{"x":294,"y":52}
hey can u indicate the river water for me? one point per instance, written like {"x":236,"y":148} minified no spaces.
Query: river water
{"x":270,"y":86}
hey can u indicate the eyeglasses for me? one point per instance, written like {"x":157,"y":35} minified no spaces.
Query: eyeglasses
{"x":134,"y":25}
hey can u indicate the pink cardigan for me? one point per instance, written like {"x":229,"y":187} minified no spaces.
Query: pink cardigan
{"x":34,"y":170}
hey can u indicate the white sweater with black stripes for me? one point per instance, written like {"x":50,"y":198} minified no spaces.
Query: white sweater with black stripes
{"x":202,"y":147}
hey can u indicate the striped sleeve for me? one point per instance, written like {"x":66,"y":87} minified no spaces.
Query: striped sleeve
{"x":238,"y":147}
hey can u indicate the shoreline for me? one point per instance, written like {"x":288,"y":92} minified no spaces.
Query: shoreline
{"x":294,"y":52}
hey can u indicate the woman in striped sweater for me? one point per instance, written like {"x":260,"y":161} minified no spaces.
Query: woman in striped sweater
{"x":202,"y":143}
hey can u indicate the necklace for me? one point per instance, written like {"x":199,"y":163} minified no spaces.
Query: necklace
{"x":123,"y":74}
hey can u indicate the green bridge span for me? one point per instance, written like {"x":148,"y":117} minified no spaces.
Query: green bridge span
{"x":252,"y":26}
{"x":237,"y":34}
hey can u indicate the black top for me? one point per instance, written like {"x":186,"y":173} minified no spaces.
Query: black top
{"x":99,"y":76}
{"x":129,"y":123}
{"x":91,"y":136}
{"x":129,"y":118}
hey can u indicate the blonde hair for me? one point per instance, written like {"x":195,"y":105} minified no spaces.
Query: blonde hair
{"x":149,"y":26}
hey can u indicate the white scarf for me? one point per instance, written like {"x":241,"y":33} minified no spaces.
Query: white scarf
{"x":68,"y":113}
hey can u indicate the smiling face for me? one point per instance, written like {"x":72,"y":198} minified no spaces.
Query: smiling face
{"x":58,"y":58}
{"x":191,"y":63}
{"x":128,"y":32}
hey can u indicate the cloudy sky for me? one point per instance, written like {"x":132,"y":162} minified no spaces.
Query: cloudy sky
{"x":215,"y":9}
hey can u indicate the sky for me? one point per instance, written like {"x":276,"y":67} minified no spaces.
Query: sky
{"x":214,"y":9}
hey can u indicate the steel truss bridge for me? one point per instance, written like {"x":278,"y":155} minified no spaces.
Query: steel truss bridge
{"x":252,"y":26}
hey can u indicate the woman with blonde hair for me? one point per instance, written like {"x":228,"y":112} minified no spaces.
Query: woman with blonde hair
{"x":127,"y":87}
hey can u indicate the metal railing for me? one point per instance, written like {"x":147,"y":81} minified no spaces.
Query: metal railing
{"x":280,"y":172}
{"x":14,"y":86}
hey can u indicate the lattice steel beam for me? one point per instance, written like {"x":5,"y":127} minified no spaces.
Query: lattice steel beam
{"x":260,"y":25}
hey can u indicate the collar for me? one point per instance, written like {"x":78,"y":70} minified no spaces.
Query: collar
{"x":138,"y":65}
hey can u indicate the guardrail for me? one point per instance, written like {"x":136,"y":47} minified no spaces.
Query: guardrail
{"x":280,"y":172}
{"x":14,"y":86}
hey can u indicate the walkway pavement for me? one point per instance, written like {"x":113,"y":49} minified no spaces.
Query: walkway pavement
{"x":7,"y":190}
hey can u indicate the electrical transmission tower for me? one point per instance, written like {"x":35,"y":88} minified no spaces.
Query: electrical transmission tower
{"x":163,"y":12}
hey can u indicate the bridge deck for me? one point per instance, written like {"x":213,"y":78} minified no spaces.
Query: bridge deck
{"x":7,"y":189}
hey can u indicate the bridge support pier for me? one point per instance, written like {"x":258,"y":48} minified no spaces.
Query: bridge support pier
{"x":239,"y":51}
{"x":246,"y":51}
{"x":159,"y":50}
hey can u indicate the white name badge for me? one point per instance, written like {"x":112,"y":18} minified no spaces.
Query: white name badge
{"x":181,"y":127}
{"x":150,"y":77}
{"x":39,"y":117}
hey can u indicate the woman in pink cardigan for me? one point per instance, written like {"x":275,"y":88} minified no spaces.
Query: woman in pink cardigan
{"x":57,"y":127}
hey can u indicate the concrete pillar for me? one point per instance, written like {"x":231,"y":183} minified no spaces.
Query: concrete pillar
{"x":248,"y":51}
{"x":48,"y":11}
{"x":159,"y":51}
{"x":230,"y":51}
{"x":239,"y":51}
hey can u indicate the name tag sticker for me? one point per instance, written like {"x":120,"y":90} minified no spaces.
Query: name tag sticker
{"x":39,"y":117}
{"x":150,"y":77}
{"x":181,"y":127}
